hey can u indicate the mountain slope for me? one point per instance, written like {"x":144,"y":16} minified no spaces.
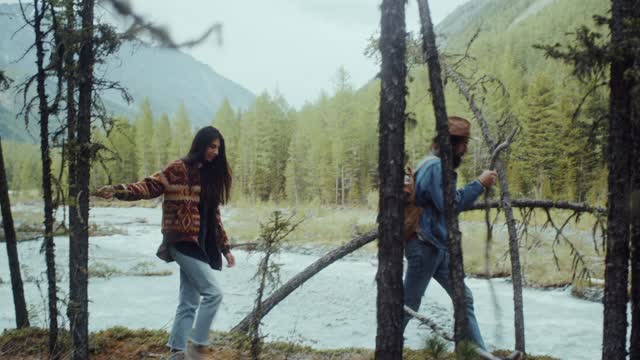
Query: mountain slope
{"x":167,"y":77}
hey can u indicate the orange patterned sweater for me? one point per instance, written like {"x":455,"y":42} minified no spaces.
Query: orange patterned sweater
{"x":180,"y":212}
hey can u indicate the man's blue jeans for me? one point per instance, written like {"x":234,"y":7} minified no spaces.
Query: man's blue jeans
{"x":196,"y":280}
{"x":425,"y":261}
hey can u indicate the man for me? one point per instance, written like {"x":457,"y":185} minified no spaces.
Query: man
{"x":427,"y":253}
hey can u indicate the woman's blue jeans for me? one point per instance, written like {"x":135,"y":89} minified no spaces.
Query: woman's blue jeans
{"x":199,"y":291}
{"x":425,"y":261}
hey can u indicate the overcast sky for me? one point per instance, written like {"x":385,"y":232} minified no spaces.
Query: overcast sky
{"x":291,"y":46}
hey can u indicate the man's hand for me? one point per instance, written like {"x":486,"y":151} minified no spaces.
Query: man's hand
{"x":488,"y":178}
{"x":105,"y":192}
{"x":231,"y":261}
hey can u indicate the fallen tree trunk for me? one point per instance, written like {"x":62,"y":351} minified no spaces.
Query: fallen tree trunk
{"x":250,"y":246}
{"x":440,"y":332}
{"x":306,"y":274}
{"x":542,"y":204}
{"x":430,"y":323}
{"x":443,"y":334}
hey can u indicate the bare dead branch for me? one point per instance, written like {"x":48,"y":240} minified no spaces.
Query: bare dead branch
{"x":578,"y":110}
{"x":158,"y":33}
{"x":27,"y":20}
{"x":467,"y":50}
{"x":443,"y":334}
{"x":501,"y":147}
{"x":437,"y":329}
{"x":514,"y":249}
{"x":24,"y":54}
{"x":545,"y":204}
{"x":250,"y":246}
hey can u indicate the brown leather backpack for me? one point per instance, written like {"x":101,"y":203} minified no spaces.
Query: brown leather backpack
{"x":412,"y":212}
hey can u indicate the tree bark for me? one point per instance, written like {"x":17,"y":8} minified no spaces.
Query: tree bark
{"x":71,"y":145}
{"x":390,"y":298}
{"x":635,"y":205}
{"x":514,"y":247}
{"x":40,"y":8}
{"x":80,"y":239}
{"x":456,"y":268}
{"x":635,"y":222}
{"x":617,"y":252}
{"x":20,"y":305}
{"x":635,"y":243}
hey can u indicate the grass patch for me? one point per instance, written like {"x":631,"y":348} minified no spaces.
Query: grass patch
{"x":103,"y":271}
{"x":146,"y":268}
{"x":31,"y":228}
{"x":152,"y":203}
{"x":324,"y":226}
{"x":124,"y":343}
{"x":106,"y":271}
{"x":536,"y":255}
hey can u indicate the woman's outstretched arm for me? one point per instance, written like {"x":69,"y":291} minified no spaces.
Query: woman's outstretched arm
{"x":149,"y":188}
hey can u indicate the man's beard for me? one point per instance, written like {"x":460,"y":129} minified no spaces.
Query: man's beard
{"x":457,"y":160}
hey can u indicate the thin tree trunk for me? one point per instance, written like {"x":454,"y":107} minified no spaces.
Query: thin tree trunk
{"x":635,"y":245}
{"x":80,"y":245}
{"x":635,"y":210}
{"x":514,"y":248}
{"x":41,"y":78}
{"x":337,"y":190}
{"x":72,"y":154}
{"x":617,"y":252}
{"x":342,"y":183}
{"x":456,"y":267}
{"x":69,"y":61}
{"x":254,"y":328}
{"x":635,"y":229}
{"x":20,"y":305}
{"x":390,"y":298}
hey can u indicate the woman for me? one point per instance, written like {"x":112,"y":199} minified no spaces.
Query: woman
{"x":194,"y":187}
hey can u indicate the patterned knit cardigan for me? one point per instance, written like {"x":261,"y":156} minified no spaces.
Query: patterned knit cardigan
{"x":180,"y":211}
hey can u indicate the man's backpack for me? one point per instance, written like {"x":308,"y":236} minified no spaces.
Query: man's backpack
{"x":412,"y":212}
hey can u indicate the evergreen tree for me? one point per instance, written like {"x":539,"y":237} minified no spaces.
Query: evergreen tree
{"x":296,"y":185}
{"x":182,"y":134}
{"x":163,"y":140}
{"x":124,"y":168}
{"x":146,"y":142}
{"x":543,"y":130}
{"x":228,"y":123}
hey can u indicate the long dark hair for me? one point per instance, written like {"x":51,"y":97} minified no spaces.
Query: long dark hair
{"x":215,"y":176}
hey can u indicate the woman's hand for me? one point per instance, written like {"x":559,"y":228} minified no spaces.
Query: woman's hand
{"x":231,"y":261}
{"x":105,"y":192}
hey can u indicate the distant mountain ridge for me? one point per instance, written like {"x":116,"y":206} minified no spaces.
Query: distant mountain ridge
{"x":166,"y":77}
{"x":483,"y":14}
